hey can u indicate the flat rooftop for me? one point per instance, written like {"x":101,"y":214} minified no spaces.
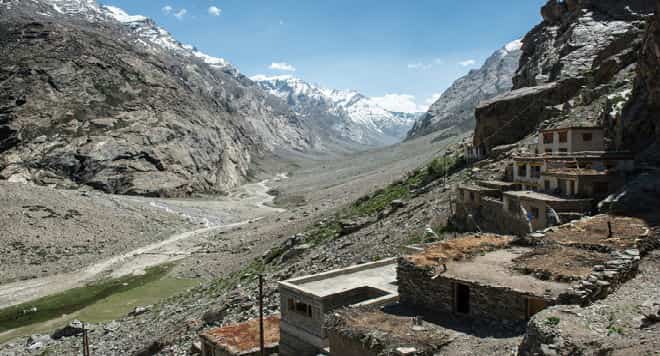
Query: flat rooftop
{"x":380,"y":275}
{"x":240,"y":339}
{"x":459,"y":249}
{"x":394,"y":334}
{"x":497,"y":269}
{"x":576,"y":172}
{"x":559,"y":263}
{"x":532,"y":195}
{"x":475,"y":188}
{"x":492,"y":260}
{"x":627,"y":232}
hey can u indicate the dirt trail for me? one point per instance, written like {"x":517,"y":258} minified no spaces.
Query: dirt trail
{"x":246,"y":205}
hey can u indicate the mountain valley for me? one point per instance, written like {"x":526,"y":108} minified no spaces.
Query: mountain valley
{"x":146,"y":187}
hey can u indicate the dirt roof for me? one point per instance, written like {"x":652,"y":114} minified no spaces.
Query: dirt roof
{"x":459,"y":249}
{"x":532,"y":195}
{"x":559,"y":263}
{"x":626,"y":232}
{"x":384,"y":333}
{"x":242,"y":338}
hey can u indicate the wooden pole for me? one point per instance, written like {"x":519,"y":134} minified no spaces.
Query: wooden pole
{"x":85,"y":341}
{"x":261,"y":315}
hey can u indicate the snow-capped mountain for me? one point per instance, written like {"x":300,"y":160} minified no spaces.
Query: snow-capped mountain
{"x":93,"y":96}
{"x":349,"y":114}
{"x":454,"y":110}
{"x":147,"y":32}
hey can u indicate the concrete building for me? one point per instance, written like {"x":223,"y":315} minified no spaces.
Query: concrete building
{"x":570,"y":140}
{"x":305,"y":302}
{"x":242,"y":339}
{"x":529,"y":170}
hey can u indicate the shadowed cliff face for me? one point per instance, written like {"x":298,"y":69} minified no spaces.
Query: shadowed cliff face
{"x":641,"y":118}
{"x":577,"y":66}
{"x":84,"y":100}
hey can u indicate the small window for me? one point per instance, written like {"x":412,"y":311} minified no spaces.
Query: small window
{"x":563,"y":137}
{"x":563,"y":150}
{"x":548,"y":150}
{"x":522,"y":171}
{"x":535,"y":213}
{"x":586,"y":137}
{"x":547,"y":185}
{"x":548,"y":137}
{"x":536,"y":171}
{"x":300,"y":307}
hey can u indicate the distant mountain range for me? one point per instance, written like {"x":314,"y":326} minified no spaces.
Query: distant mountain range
{"x":341,"y":114}
{"x":454,"y":111}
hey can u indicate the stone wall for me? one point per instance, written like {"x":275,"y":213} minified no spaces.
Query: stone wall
{"x":491,"y":217}
{"x":417,"y":288}
{"x":291,"y":345}
{"x":341,"y":345}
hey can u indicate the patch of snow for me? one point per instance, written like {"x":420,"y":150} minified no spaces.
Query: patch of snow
{"x":121,"y":16}
{"x":514,"y":45}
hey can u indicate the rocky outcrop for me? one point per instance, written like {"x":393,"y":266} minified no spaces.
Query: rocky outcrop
{"x":641,"y":123}
{"x":589,"y":50}
{"x":107,"y":100}
{"x":454,"y":110}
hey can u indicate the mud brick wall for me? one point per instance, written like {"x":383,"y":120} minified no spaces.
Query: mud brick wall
{"x":418,"y":289}
{"x":343,"y":345}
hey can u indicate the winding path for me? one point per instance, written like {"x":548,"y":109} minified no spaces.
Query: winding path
{"x":178,"y":246}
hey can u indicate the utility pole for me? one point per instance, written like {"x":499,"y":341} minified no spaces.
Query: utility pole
{"x":85,"y":341}
{"x":261,"y":315}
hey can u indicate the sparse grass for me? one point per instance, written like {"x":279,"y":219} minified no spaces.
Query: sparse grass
{"x":70,"y":301}
{"x":552,"y":321}
{"x":382,"y":198}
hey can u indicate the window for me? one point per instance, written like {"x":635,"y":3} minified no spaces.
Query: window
{"x":586,"y":137}
{"x":535,"y":213}
{"x":522,"y":171}
{"x":536,"y":171}
{"x":563,"y":136}
{"x":461,"y":298}
{"x":548,"y":150}
{"x":300,"y":307}
{"x":548,"y":137}
{"x":563,"y":150}
{"x":472,"y":196}
{"x":547,"y":185}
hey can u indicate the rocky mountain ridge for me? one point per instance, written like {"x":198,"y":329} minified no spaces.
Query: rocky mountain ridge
{"x":343,"y":114}
{"x":578,"y":67}
{"x":454,"y":110}
{"x":94,"y":97}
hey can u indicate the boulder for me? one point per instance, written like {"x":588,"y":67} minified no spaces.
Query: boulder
{"x":74,"y":328}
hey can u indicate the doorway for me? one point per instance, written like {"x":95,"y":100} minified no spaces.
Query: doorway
{"x":462,"y":298}
{"x":534,"y":306}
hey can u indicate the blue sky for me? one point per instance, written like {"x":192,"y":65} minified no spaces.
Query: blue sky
{"x":407,"y":49}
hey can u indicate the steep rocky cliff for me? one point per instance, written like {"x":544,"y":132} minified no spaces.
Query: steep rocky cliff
{"x":455,"y":107}
{"x":577,"y":68}
{"x":92,"y":96}
{"x":641,"y":117}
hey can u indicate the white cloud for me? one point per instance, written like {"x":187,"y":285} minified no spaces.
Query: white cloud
{"x":283,"y":66}
{"x":419,"y":65}
{"x":180,"y":14}
{"x":281,"y":22}
{"x":467,"y":63}
{"x":214,"y":11}
{"x":439,"y":61}
{"x":167,"y":9}
{"x":398,"y":103}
